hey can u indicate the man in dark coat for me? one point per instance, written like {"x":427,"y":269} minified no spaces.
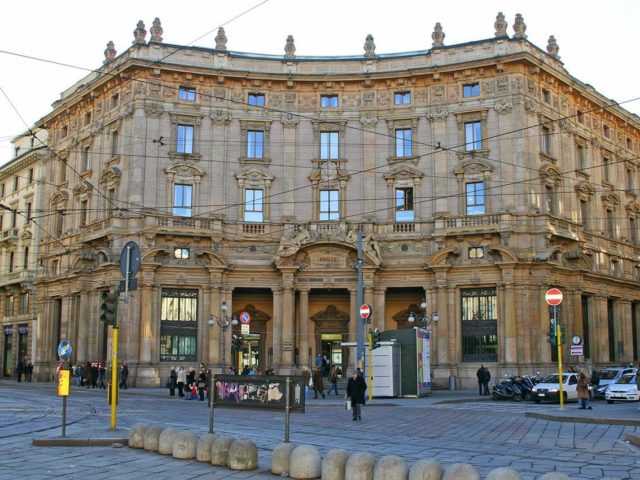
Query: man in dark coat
{"x":20,"y":370}
{"x":356,"y":386}
{"x":124,"y":375}
{"x":484,"y":376}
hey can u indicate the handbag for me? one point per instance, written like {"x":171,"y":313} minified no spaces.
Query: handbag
{"x":347,"y":404}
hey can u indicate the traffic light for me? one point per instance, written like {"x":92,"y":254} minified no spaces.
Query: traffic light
{"x":236,"y":341}
{"x":375,"y":339}
{"x":552,"y":334}
{"x":109,"y":307}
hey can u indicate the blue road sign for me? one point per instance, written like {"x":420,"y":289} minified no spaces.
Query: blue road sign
{"x":65,"y":350}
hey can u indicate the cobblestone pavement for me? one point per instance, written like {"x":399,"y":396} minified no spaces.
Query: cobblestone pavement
{"x":485,"y":434}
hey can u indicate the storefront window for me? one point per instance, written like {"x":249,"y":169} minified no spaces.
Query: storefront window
{"x":8,"y":360}
{"x":479,"y":325}
{"x":178,"y":325}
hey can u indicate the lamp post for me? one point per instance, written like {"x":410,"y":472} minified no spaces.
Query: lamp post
{"x":223,"y":322}
{"x":423,"y":320}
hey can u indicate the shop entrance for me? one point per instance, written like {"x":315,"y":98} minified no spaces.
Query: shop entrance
{"x":250,"y":353}
{"x":8,"y":360}
{"x":331,"y":348}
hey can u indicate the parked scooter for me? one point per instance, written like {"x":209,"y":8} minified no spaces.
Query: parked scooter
{"x":515,"y":388}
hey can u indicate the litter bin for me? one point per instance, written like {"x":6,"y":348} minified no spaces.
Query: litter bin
{"x":452,"y":382}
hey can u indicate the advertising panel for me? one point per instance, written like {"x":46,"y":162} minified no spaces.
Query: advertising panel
{"x":264,"y":392}
{"x":423,"y":357}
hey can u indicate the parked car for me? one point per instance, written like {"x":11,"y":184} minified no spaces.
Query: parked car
{"x":608,"y":376}
{"x":625,"y":389}
{"x":549,"y":388}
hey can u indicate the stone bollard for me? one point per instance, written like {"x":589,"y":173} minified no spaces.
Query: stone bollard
{"x":461,"y":471}
{"x":426,"y":470}
{"x":184,"y":445}
{"x":503,"y":473}
{"x":390,"y":467}
{"x":203,"y":449}
{"x":554,"y":476}
{"x":220,"y":451}
{"x":165,"y":442}
{"x":305,"y":462}
{"x":151,"y":438}
{"x":360,"y":467}
{"x":243,"y":455}
{"x":136,"y":436}
{"x":280,"y":459}
{"x":333,"y":464}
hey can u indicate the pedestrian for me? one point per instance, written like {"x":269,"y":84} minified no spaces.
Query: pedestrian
{"x":582,"y":390}
{"x":29,"y":371}
{"x":124,"y":375}
{"x":102,"y":374}
{"x":87,"y":375}
{"x":20,"y":370}
{"x":318,"y":361}
{"x":325,"y":366}
{"x":484,"y":376}
{"x":202,"y":384}
{"x":318,"y":386}
{"x":356,"y":386}
{"x":181,"y":379}
{"x":94,"y":375}
{"x":80,"y":370}
{"x":173,"y":381}
{"x":333,"y":377}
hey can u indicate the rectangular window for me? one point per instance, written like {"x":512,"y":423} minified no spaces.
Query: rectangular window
{"x":402,"y":98}
{"x":550,"y":199}
{"x":111,"y":196}
{"x":404,"y":205}
{"x":86,"y":165}
{"x":83,"y":212}
{"x":580,"y":116}
{"x":611,"y":331}
{"x":59,"y":222}
{"x":255,"y":144}
{"x":64,"y":132}
{"x":585,"y":326}
{"x":476,"y":252}
{"x":607,"y":131}
{"x":14,"y":217}
{"x":629,"y":144}
{"x":28,"y":214}
{"x":178,"y":325}
{"x":546,"y":96}
{"x":546,"y":140}
{"x":610,"y":224}
{"x":584,"y":214}
{"x":329,"y":145}
{"x":475,"y":198}
{"x":605,"y":168}
{"x":187,"y":94}
{"x":582,"y":157}
{"x":473,"y":136}
{"x":11,"y":259}
{"x":471,"y":90}
{"x":629,"y":180}
{"x":87,"y":118}
{"x":253,"y":205}
{"x":633,"y":232}
{"x":30,"y":180}
{"x":2,"y":190}
{"x":256,"y":99}
{"x":16,"y":183}
{"x":115,"y":99}
{"x":8,"y":305}
{"x":479,"y":315}
{"x":1,"y":221}
{"x":404,"y":142}
{"x":184,"y":139}
{"x":25,"y":259}
{"x":329,"y":205}
{"x":181,"y":253}
{"x":329,"y":101}
{"x":114,"y":143}
{"x":182,"y":200}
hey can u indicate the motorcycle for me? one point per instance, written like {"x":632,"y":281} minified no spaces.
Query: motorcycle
{"x":514,"y":388}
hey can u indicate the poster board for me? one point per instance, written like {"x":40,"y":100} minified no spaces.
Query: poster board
{"x":260,"y":392}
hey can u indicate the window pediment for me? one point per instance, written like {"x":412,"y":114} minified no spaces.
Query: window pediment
{"x":550,"y":173}
{"x":185,"y":171}
{"x":59,"y":197}
{"x":254,"y":176}
{"x":474,"y":166}
{"x":610,"y":199}
{"x":403,"y":173}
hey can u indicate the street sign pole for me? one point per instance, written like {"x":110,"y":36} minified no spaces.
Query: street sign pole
{"x":370,"y":366}
{"x":114,"y":376}
{"x":559,"y":345}
{"x":359,"y":301}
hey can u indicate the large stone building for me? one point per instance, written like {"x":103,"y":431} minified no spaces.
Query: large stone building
{"x":480,"y":175}
{"x":22,"y":199}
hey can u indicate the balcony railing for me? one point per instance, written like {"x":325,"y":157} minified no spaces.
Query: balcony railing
{"x":9,"y":235}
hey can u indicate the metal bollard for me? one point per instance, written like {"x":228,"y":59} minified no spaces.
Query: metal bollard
{"x":287,"y":409}
{"x":452,"y":382}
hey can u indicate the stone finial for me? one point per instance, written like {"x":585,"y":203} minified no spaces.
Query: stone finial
{"x":552,"y":47}
{"x":369,"y":47}
{"x":110,"y":53}
{"x":156,"y":31}
{"x":221,"y":40}
{"x":500,"y":25}
{"x":437,"y":36}
{"x":139,"y":34}
{"x":290,"y":48}
{"x":519,"y":27}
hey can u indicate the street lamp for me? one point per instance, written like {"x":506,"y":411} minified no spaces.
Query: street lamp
{"x":423,"y":320}
{"x":223,"y":322}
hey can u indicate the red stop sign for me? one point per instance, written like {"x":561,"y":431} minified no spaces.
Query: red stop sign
{"x":553,"y":296}
{"x":365,"y":311}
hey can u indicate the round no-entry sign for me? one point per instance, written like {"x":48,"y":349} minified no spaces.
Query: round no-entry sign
{"x":245,"y":318}
{"x":365,"y":311}
{"x":553,"y":296}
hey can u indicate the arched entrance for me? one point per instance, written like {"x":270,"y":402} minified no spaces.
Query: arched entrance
{"x":332,"y":328}
{"x":252,"y":351}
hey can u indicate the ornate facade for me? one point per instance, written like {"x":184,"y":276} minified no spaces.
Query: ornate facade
{"x":480,"y":174}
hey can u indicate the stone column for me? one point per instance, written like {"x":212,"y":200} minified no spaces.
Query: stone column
{"x":544,"y":347}
{"x":442,"y":327}
{"x":600,"y":334}
{"x":303,"y":345}
{"x":379,"y":294}
{"x":510,"y":331}
{"x":66,"y":318}
{"x":147,"y":374}
{"x":455,"y":329}
{"x":215,"y":355}
{"x":93,"y":325}
{"x":228,"y":360}
{"x":288,"y":326}
{"x":624,"y":332}
{"x":276,"y":333}
{"x":353,"y":325}
{"x":83,"y":328}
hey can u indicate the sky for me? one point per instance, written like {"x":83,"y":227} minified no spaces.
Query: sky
{"x":597,"y":40}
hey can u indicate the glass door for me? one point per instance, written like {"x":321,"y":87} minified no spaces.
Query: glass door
{"x":8,"y":360}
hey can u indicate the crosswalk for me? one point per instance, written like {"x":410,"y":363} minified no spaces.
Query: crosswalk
{"x":499,"y":407}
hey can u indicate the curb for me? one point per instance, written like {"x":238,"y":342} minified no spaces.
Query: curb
{"x":462,"y":400}
{"x":79,"y":442}
{"x":632,"y":439}
{"x":628,"y":422}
